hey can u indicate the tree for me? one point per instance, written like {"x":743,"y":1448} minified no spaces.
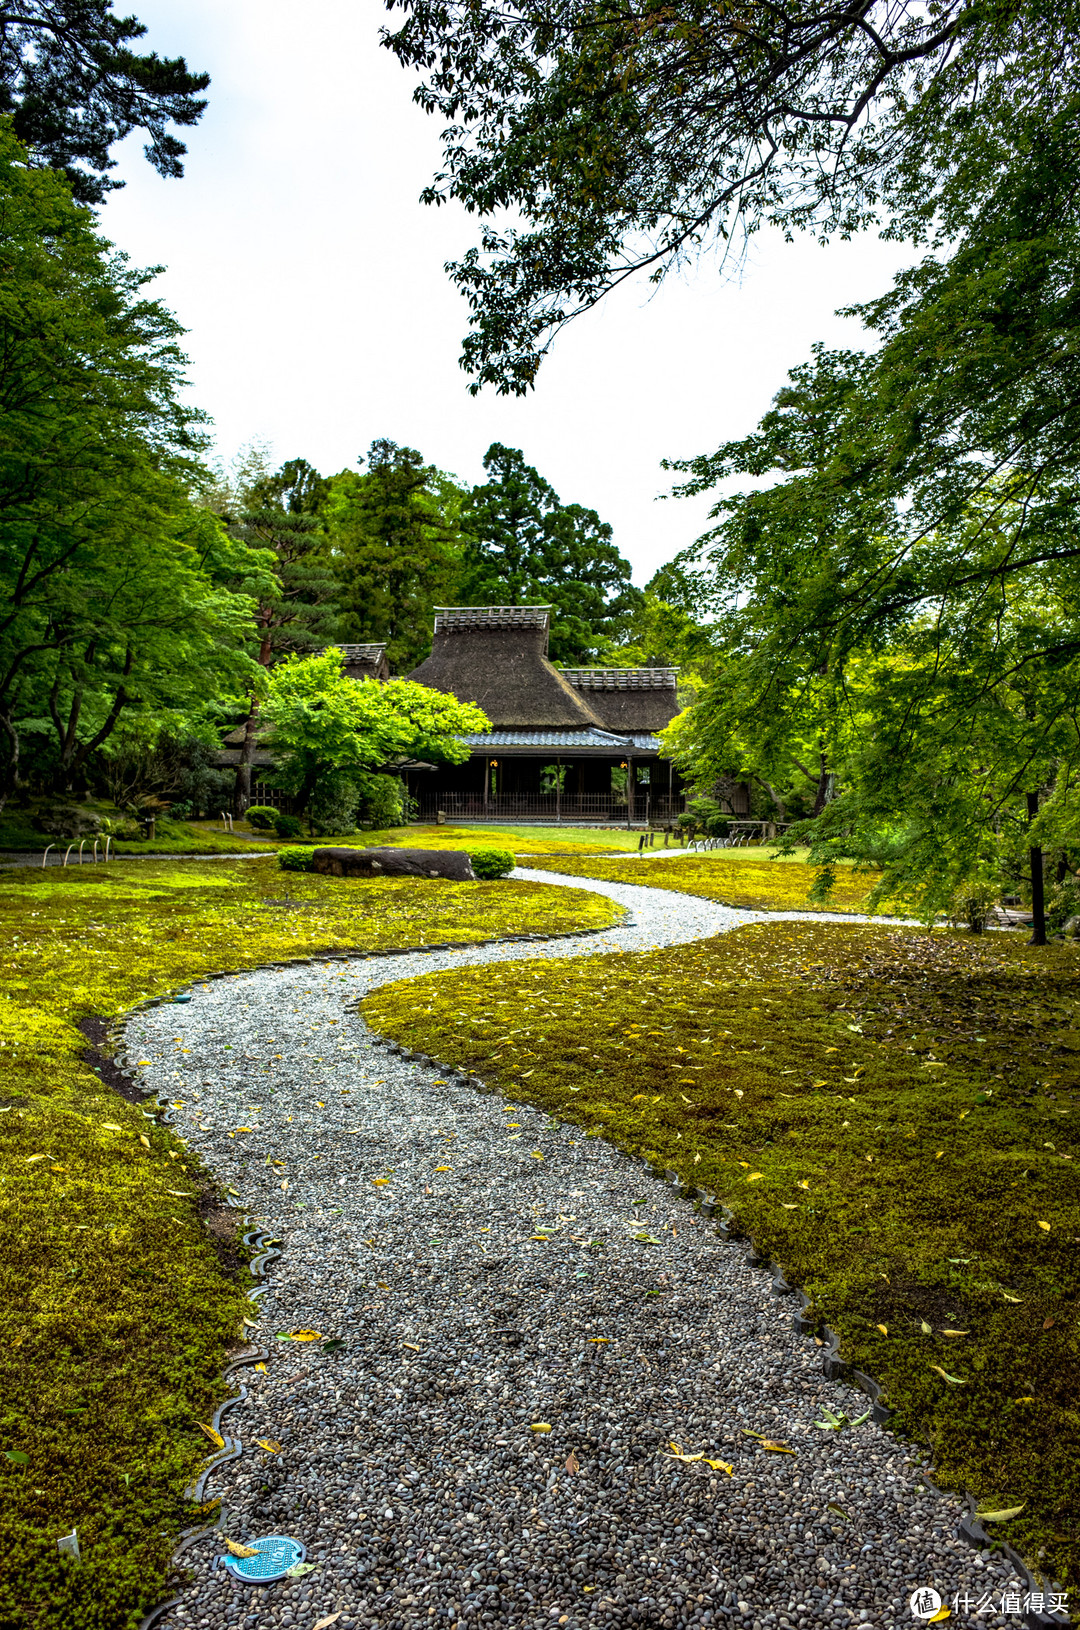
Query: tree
{"x":297,"y":612}
{"x":396,"y":535}
{"x":73,"y":87}
{"x":527,"y":547}
{"x":114,"y":590}
{"x":324,"y":724}
{"x":629,"y":139}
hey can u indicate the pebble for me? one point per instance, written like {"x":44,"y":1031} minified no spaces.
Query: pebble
{"x":485,"y":1270}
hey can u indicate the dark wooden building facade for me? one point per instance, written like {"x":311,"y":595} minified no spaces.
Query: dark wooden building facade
{"x":571,"y":744}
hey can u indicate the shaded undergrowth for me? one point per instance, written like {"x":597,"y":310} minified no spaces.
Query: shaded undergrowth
{"x":752,"y":879}
{"x":892,"y":1116}
{"x":121,"y":1288}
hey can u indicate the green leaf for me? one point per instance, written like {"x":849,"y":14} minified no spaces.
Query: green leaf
{"x":1000,"y":1516}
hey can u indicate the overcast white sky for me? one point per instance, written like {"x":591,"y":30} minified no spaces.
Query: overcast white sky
{"x":311,"y":281}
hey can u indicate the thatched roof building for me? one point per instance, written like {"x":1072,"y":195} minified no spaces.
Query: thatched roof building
{"x":572,"y":743}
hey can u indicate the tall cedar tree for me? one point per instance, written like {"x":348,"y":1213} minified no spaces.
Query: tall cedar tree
{"x":397,"y":548}
{"x":73,"y":87}
{"x":527,"y":547}
{"x":630,"y":138}
{"x":285,"y":515}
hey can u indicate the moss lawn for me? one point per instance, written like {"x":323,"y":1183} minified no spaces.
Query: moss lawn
{"x":755,"y":879}
{"x":122,"y":1289}
{"x":891,"y":1115}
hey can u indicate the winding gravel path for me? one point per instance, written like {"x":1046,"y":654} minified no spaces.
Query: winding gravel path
{"x":408,"y":1206}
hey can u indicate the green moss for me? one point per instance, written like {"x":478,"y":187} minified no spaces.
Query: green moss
{"x":754,"y":879}
{"x":891,"y":1115}
{"x":117,"y":1315}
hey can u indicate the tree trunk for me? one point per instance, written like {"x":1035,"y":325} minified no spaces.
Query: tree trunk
{"x":824,"y":788}
{"x":10,"y":783}
{"x":1038,"y":902}
{"x":307,"y":787}
{"x":242,"y":790}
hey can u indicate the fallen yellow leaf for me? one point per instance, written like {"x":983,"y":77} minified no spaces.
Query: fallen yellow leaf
{"x":721,"y":1466}
{"x":954,"y":1332}
{"x":236,"y":1549}
{"x":539,"y":1426}
{"x":380,"y":1182}
{"x":443,"y":1168}
{"x":1045,"y":1227}
{"x":324,"y":1624}
{"x":411,"y":1345}
{"x":777,"y":1448}
{"x":144,"y":1140}
{"x":305,"y":1335}
{"x":215,"y":1437}
{"x":883,"y":1328}
{"x":271,"y":1445}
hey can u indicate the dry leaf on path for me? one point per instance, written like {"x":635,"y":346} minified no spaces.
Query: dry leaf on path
{"x":271,"y":1445}
{"x":1000,"y":1516}
{"x":539,"y":1426}
{"x":235,"y":1549}
{"x":324,"y":1624}
{"x":573,"y":1464}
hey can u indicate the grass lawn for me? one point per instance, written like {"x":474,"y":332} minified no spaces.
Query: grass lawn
{"x":120,"y":1298}
{"x":892,"y":1116}
{"x":753,"y":878}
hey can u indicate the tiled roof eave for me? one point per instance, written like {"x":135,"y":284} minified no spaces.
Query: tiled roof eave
{"x":564,"y":741}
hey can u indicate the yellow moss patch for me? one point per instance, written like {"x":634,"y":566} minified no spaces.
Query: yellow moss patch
{"x":116,"y":1313}
{"x":750,"y":878}
{"x":892,"y":1116}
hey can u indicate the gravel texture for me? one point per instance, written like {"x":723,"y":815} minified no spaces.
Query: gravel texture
{"x":486,"y":1271}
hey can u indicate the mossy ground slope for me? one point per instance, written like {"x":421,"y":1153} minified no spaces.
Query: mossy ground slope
{"x":117,"y":1312}
{"x":892,"y":1116}
{"x":754,"y":879}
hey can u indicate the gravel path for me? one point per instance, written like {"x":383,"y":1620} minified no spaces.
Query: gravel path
{"x":484,"y":1268}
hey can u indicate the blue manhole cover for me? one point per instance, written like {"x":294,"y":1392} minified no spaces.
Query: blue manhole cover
{"x":276,"y":1555}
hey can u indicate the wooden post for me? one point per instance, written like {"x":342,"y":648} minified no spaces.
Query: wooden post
{"x":629,"y":793}
{"x":558,"y":792}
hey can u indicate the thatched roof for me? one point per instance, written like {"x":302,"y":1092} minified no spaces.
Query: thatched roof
{"x":496,"y":657}
{"x":628,"y":698}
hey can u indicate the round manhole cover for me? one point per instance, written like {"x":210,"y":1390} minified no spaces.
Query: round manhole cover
{"x":275,"y":1555}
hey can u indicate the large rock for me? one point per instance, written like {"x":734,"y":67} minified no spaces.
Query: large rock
{"x":67,"y":821}
{"x":452,"y":863}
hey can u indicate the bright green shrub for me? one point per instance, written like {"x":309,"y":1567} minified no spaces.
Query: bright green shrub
{"x":261,"y":817}
{"x":288,"y":826}
{"x":295,"y":858}
{"x":489,"y":863}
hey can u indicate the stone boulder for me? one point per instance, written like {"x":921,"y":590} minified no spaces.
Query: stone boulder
{"x":451,"y":863}
{"x":67,"y":821}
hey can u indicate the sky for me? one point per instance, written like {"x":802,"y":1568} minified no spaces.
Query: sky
{"x":311,"y":282}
